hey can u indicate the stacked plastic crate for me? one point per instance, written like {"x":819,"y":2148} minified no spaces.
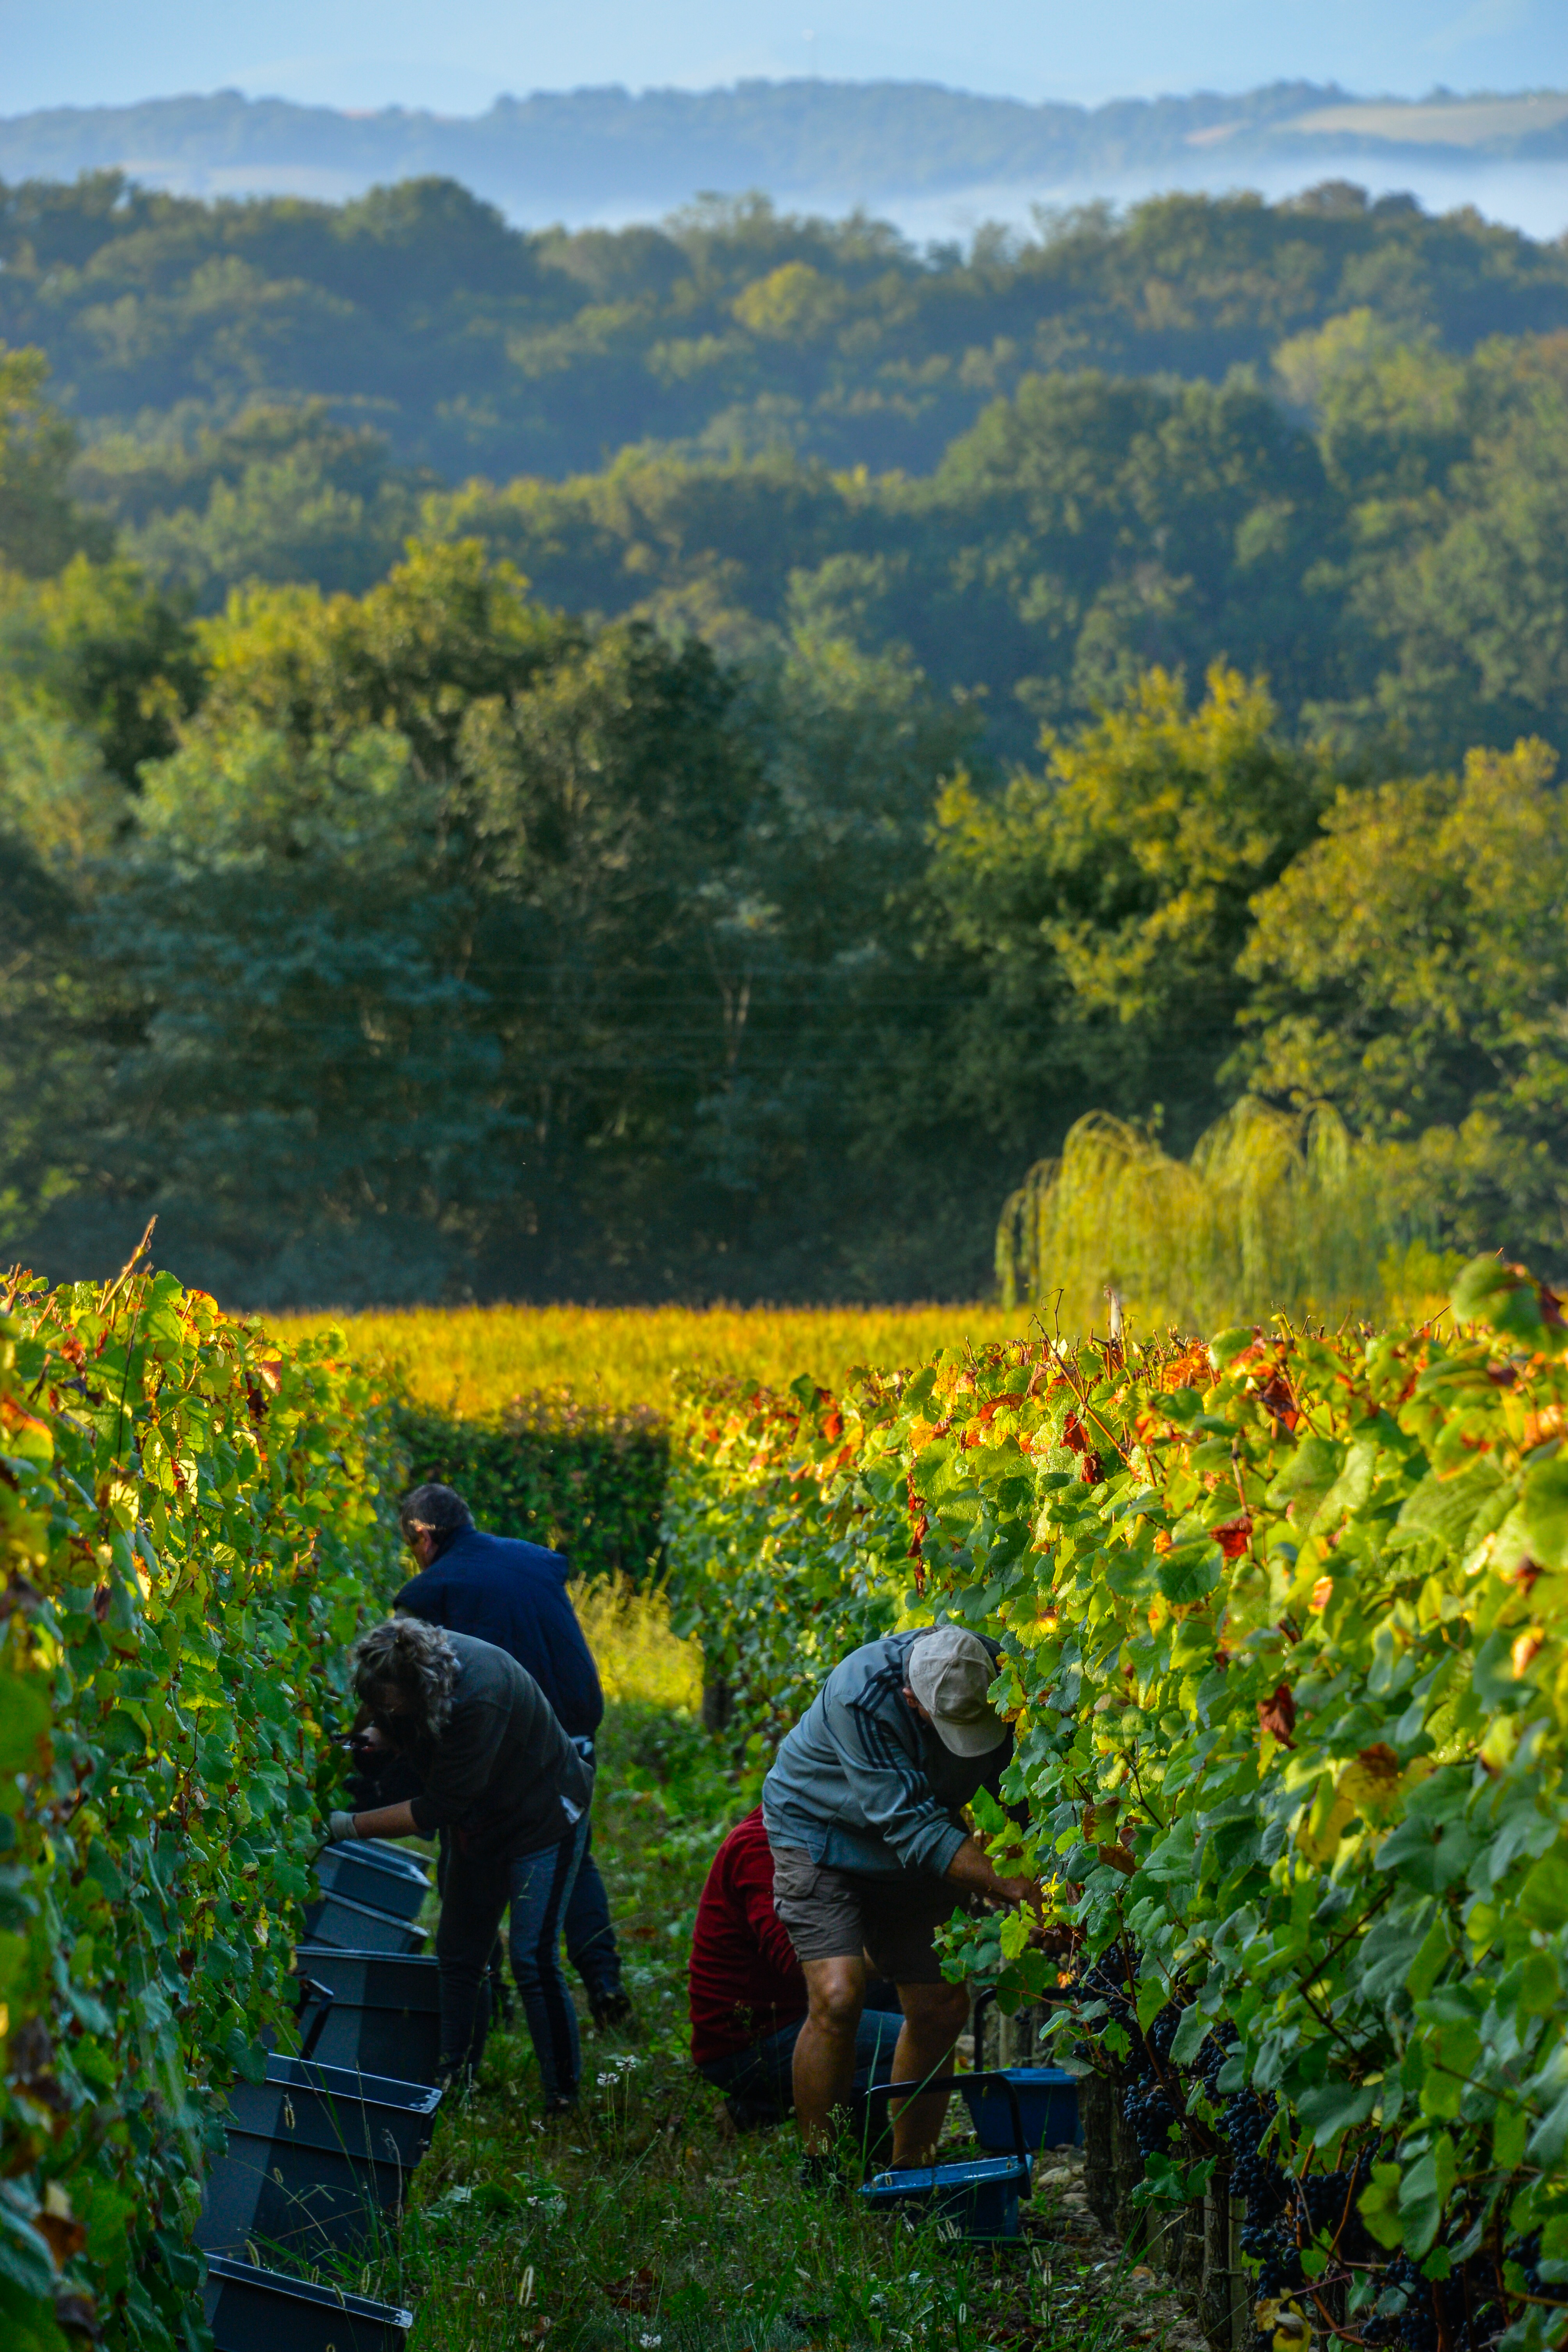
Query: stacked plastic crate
{"x":319,"y":2153}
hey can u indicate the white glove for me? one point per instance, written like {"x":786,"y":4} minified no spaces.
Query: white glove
{"x":341,"y":1826}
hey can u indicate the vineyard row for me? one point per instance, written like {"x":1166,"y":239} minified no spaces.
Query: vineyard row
{"x":1285,"y":1623}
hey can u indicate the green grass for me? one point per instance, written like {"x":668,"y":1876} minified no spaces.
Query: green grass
{"x":640,"y":2224}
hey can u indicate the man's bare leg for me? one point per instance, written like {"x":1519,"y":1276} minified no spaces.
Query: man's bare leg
{"x":934,"y":2017}
{"x":824,"y":2066}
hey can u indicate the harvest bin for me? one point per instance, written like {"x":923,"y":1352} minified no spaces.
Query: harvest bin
{"x":349,"y":1925}
{"x":312,"y":2007}
{"x":393,"y":1855}
{"x":1048,"y":2105}
{"x":383,"y":1876}
{"x":251,"y":2310}
{"x":386,"y":2012}
{"x":976,"y":2196}
{"x":316,"y":2156}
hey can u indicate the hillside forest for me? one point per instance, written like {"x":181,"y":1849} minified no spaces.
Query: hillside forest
{"x":680,"y":761}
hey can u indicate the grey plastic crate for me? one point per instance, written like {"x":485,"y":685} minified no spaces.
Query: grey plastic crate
{"x":316,"y":2156}
{"x":395,"y":1856}
{"x":254,"y":2310}
{"x":386,"y":2014}
{"x":382,"y":1876}
{"x":338,"y":1920}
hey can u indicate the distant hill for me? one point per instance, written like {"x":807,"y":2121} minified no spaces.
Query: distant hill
{"x":821,"y":142}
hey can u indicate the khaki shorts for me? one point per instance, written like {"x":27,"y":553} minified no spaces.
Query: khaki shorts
{"x":834,"y":1915}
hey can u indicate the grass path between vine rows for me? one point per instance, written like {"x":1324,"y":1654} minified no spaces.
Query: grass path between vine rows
{"x":641,"y":2227}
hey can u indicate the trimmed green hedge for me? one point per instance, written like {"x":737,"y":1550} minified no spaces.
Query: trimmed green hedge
{"x":582,"y":1481}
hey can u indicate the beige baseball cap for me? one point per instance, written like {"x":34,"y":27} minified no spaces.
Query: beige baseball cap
{"x":949,"y":1672}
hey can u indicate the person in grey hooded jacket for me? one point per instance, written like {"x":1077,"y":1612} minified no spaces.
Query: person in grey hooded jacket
{"x":870,"y":1856}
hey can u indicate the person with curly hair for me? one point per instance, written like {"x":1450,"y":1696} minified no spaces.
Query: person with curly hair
{"x":515,"y":1594}
{"x":508,"y":1794}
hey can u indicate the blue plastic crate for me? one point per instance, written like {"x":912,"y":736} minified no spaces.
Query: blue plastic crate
{"x":1047,"y":2104}
{"x":978,"y":2196}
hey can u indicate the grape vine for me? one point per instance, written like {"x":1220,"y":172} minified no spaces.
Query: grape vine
{"x":1285,"y":1629}
{"x":190,"y":1530}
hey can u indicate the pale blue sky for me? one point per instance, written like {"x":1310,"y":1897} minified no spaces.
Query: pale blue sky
{"x":455,"y":58}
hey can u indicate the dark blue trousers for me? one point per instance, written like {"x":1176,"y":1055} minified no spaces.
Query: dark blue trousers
{"x":756,"y":2081}
{"x":590,"y":1938}
{"x":536,"y":1888}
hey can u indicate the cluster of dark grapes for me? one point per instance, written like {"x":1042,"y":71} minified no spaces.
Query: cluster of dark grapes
{"x":1327,"y":2201}
{"x":1154,"y":2103}
{"x":1413,"y":2329}
{"x":1268,"y":2229}
{"x":1162,"y":2032}
{"x":1286,"y":2214}
{"x":1526,"y":2252}
{"x":1147,"y":2104}
{"x":1150,"y":2110}
{"x":1283,"y":2213}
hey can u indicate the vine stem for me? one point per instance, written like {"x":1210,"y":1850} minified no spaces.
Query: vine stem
{"x":1137,"y":1783}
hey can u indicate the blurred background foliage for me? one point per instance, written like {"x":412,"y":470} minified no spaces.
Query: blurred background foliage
{"x":680,"y":763}
{"x":553,"y":1422}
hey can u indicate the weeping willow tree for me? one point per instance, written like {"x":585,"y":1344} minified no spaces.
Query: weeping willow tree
{"x":1274,"y":1210}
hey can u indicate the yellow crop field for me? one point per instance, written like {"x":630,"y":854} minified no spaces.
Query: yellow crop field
{"x":491,"y":1363}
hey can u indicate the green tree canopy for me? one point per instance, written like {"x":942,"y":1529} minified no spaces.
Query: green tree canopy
{"x":455,"y":941}
{"x":1411,"y":967}
{"x":1091,"y":913}
{"x":40,"y":525}
{"x":99,"y":648}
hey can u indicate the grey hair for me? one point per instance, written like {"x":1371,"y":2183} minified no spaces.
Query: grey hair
{"x":415,"y":1658}
{"x":434,"y":1510}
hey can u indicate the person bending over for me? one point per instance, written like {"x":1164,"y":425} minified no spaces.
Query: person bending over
{"x":514,"y":1594}
{"x":870,"y":1857}
{"x":509,"y":1795}
{"x":747,"y":1992}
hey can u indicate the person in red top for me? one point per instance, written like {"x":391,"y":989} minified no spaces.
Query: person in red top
{"x":748,"y":1996}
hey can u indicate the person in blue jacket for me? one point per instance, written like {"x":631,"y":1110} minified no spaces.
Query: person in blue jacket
{"x":513,"y":1594}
